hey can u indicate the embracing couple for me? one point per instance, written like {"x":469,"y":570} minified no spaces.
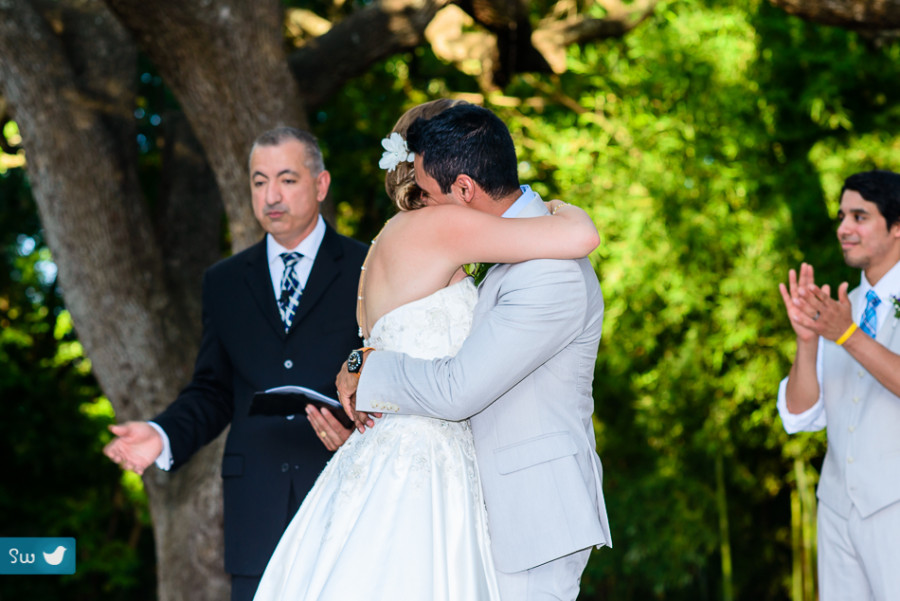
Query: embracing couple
{"x":473,"y":473}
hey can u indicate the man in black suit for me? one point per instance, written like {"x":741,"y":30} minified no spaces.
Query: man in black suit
{"x":270,"y":319}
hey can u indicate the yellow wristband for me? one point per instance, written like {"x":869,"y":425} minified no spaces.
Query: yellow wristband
{"x":846,"y":334}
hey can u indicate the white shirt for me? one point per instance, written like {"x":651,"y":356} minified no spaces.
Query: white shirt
{"x":814,"y":418}
{"x":309,"y":248}
{"x":521,"y":202}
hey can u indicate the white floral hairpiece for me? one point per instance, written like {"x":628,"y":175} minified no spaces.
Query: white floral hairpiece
{"x":395,"y":152}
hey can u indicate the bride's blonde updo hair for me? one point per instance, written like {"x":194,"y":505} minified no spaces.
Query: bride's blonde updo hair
{"x":400,"y":184}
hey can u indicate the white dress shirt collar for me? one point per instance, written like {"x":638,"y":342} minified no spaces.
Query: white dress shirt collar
{"x":521,"y":202}
{"x":887,"y":288}
{"x":308,"y":247}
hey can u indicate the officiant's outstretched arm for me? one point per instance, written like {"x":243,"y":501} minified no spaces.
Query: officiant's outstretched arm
{"x":846,"y":377}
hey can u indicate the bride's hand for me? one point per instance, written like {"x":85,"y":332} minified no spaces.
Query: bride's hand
{"x":554,"y":205}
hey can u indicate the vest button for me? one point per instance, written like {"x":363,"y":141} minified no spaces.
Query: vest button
{"x":285,"y":467}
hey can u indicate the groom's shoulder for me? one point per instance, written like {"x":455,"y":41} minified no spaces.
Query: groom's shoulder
{"x":567,"y":284}
{"x":557,"y":271}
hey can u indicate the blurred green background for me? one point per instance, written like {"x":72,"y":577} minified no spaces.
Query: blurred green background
{"x":709,"y":144}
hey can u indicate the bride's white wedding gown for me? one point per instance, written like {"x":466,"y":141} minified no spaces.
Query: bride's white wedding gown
{"x":397,"y":514}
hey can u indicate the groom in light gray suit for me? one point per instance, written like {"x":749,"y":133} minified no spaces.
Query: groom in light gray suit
{"x":523,"y":376}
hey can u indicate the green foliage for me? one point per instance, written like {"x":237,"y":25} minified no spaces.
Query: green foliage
{"x":56,"y":481}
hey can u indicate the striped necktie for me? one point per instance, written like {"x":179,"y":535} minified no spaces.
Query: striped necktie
{"x":290,"y":289}
{"x":869,"y":323}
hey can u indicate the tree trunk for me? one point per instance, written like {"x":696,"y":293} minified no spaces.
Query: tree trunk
{"x":69,"y":73}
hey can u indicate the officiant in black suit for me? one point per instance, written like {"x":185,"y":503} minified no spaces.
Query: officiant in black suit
{"x":281,"y":312}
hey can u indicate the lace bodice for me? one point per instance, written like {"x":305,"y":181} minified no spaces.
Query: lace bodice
{"x":430,"y":327}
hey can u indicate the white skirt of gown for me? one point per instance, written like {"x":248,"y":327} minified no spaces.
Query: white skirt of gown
{"x":397,"y":514}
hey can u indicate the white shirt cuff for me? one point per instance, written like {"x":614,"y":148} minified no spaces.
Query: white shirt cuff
{"x":164,"y":461}
{"x":811,"y":420}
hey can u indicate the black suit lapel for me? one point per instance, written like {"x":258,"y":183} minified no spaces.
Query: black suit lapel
{"x":326,"y":269}
{"x":259,"y":281}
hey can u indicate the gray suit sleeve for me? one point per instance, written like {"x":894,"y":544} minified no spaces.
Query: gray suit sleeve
{"x":540,"y":309}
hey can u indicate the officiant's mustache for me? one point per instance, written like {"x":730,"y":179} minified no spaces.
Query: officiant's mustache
{"x":279,"y":208}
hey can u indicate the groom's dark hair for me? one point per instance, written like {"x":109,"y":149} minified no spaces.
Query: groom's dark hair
{"x":467,"y":139}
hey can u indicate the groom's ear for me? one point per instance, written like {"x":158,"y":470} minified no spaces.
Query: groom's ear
{"x":464,"y":188}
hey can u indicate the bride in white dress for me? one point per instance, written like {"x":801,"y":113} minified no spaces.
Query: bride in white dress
{"x":397,"y":514}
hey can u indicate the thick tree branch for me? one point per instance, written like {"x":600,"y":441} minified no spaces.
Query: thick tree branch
{"x":862,"y":15}
{"x":488,"y":40}
{"x":367,"y":36}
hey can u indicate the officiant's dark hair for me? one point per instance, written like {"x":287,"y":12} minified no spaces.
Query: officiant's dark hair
{"x":881,"y":187}
{"x":467,"y":139}
{"x":400,"y":182}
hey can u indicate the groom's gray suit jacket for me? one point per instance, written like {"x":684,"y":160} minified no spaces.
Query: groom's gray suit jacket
{"x":523,"y":377}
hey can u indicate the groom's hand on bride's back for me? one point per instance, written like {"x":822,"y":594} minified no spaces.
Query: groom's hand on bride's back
{"x":346,"y":384}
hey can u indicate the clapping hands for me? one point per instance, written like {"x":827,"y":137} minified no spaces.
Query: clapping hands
{"x":811,"y":309}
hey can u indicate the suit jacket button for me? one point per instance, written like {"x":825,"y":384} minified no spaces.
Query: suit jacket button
{"x":285,"y":467}
{"x":288,"y":364}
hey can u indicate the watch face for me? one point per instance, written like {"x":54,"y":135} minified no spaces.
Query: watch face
{"x":354,"y":362}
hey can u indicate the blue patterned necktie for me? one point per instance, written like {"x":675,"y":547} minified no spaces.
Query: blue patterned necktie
{"x":290,"y":289}
{"x":869,"y":323}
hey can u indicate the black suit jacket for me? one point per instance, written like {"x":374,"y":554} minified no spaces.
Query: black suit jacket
{"x":245,"y":349}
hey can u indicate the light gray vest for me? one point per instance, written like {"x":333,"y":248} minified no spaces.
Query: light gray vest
{"x":862,"y":464}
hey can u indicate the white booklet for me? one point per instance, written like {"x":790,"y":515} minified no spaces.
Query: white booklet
{"x":292,"y":400}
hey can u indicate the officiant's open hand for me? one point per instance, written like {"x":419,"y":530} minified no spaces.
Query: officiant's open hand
{"x":346,"y":384}
{"x":135,"y":447}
